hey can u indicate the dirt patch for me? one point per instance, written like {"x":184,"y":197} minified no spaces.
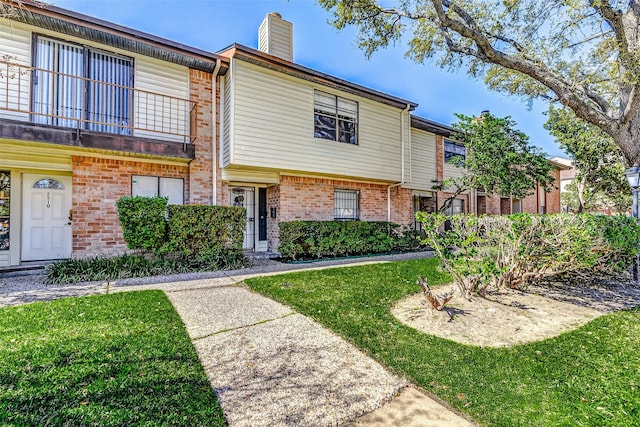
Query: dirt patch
{"x":508,"y":317}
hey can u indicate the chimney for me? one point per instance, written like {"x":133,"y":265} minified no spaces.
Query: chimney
{"x":275,"y":37}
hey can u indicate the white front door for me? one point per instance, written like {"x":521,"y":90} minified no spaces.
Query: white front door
{"x":46,"y":212}
{"x":245,"y":198}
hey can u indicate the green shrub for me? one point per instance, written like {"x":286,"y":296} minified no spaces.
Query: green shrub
{"x":512,"y":250}
{"x":206,"y":235}
{"x":195,"y":238}
{"x":143,"y":221}
{"x":329,"y":239}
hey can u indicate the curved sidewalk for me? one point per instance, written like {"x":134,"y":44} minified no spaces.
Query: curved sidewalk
{"x":269,"y":365}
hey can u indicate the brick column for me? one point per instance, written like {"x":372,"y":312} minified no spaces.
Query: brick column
{"x":201,"y":168}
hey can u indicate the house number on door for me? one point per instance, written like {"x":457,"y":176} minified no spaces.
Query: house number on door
{"x":48,"y":199}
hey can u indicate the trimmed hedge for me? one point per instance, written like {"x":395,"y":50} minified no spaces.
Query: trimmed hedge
{"x":206,"y":234}
{"x":172,"y":239}
{"x":329,"y":239}
{"x":143,"y":221}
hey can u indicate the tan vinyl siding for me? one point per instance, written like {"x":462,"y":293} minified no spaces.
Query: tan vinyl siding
{"x":423,"y":160}
{"x":275,"y":37}
{"x":273,"y":128}
{"x":167,"y":113}
{"x":15,"y":47}
{"x":226,"y":121}
{"x":452,"y":171}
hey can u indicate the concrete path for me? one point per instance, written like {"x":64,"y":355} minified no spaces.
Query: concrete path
{"x":271,"y":366}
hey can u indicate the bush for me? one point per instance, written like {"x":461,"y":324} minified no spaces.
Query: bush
{"x":510,"y":251}
{"x":143,"y":221}
{"x":102,"y":268}
{"x":195,"y":238}
{"x":329,"y":239}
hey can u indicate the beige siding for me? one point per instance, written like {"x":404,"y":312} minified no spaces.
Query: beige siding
{"x":226,"y":120}
{"x":452,"y":171}
{"x":165,"y":114}
{"x":15,"y":47}
{"x":275,"y":37}
{"x":168,"y":113}
{"x":273,"y":128}
{"x":423,"y":160}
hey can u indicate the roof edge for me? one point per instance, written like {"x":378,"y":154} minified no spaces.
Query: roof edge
{"x":247,"y":54}
{"x":26,"y":11}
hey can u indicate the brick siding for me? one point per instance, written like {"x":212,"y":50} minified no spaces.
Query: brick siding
{"x":97,"y":186}
{"x":201,"y":168}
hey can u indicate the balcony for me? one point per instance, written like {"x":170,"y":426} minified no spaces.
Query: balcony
{"x":100,"y":114}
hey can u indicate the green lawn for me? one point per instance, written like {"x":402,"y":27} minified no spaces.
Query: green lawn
{"x":122,"y":359}
{"x":587,"y":377}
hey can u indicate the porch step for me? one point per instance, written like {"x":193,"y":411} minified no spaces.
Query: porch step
{"x":25,"y":269}
{"x":261,"y":255}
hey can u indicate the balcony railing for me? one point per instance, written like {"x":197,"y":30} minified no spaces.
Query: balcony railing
{"x":58,"y":99}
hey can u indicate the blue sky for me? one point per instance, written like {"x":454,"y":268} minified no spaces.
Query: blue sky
{"x":214,"y":24}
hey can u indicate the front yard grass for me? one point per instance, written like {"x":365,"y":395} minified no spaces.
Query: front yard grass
{"x":587,"y":377}
{"x":109,"y":360}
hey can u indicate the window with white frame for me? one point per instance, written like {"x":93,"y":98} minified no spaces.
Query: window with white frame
{"x":454,"y":149}
{"x":154,"y":186}
{"x":81,"y":87}
{"x":456,"y":207}
{"x":335,"y":118}
{"x":346,"y":204}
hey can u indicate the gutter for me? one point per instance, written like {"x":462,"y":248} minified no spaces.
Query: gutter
{"x":403,"y":140}
{"x":214,"y":139}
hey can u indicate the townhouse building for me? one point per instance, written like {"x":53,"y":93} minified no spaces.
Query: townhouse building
{"x":91,"y":111}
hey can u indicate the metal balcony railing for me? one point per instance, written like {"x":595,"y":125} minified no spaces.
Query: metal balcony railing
{"x":52,"y":98}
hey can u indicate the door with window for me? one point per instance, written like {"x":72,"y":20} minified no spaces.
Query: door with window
{"x":244,"y":197}
{"x":46,"y":217}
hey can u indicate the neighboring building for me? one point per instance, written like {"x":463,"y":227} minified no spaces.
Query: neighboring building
{"x":567,"y":176}
{"x":91,"y":111}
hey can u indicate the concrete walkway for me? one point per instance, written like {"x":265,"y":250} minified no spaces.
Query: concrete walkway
{"x":271,"y":366}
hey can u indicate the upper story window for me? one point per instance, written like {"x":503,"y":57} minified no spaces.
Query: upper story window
{"x":335,"y":118}
{"x":78,"y":86}
{"x":454,"y":149}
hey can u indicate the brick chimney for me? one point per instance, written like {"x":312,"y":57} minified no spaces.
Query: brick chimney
{"x":275,"y":37}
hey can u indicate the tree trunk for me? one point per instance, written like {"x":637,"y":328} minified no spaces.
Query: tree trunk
{"x":628,"y":139}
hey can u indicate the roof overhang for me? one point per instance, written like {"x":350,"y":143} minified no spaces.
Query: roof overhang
{"x":71,"y":23}
{"x":431,"y":126}
{"x":253,"y":56}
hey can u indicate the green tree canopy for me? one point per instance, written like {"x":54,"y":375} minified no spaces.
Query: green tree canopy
{"x":599,"y":182}
{"x":584,"y":54}
{"x":499,"y":159}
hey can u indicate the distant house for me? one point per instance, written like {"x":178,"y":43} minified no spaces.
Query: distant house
{"x":91,"y":111}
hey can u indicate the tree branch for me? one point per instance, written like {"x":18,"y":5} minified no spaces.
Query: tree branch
{"x":567,"y":92}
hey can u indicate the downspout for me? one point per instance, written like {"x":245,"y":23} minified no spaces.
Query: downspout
{"x":214,"y":142}
{"x":403,"y":140}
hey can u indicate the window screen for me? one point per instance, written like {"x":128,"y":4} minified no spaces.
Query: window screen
{"x":456,"y":207}
{"x":346,"y":204}
{"x":335,"y":118}
{"x":453,"y":149}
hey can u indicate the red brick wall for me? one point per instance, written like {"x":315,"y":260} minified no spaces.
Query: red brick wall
{"x":201,"y":168}
{"x":311,"y":199}
{"x":553,"y":198}
{"x":97,"y":185}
